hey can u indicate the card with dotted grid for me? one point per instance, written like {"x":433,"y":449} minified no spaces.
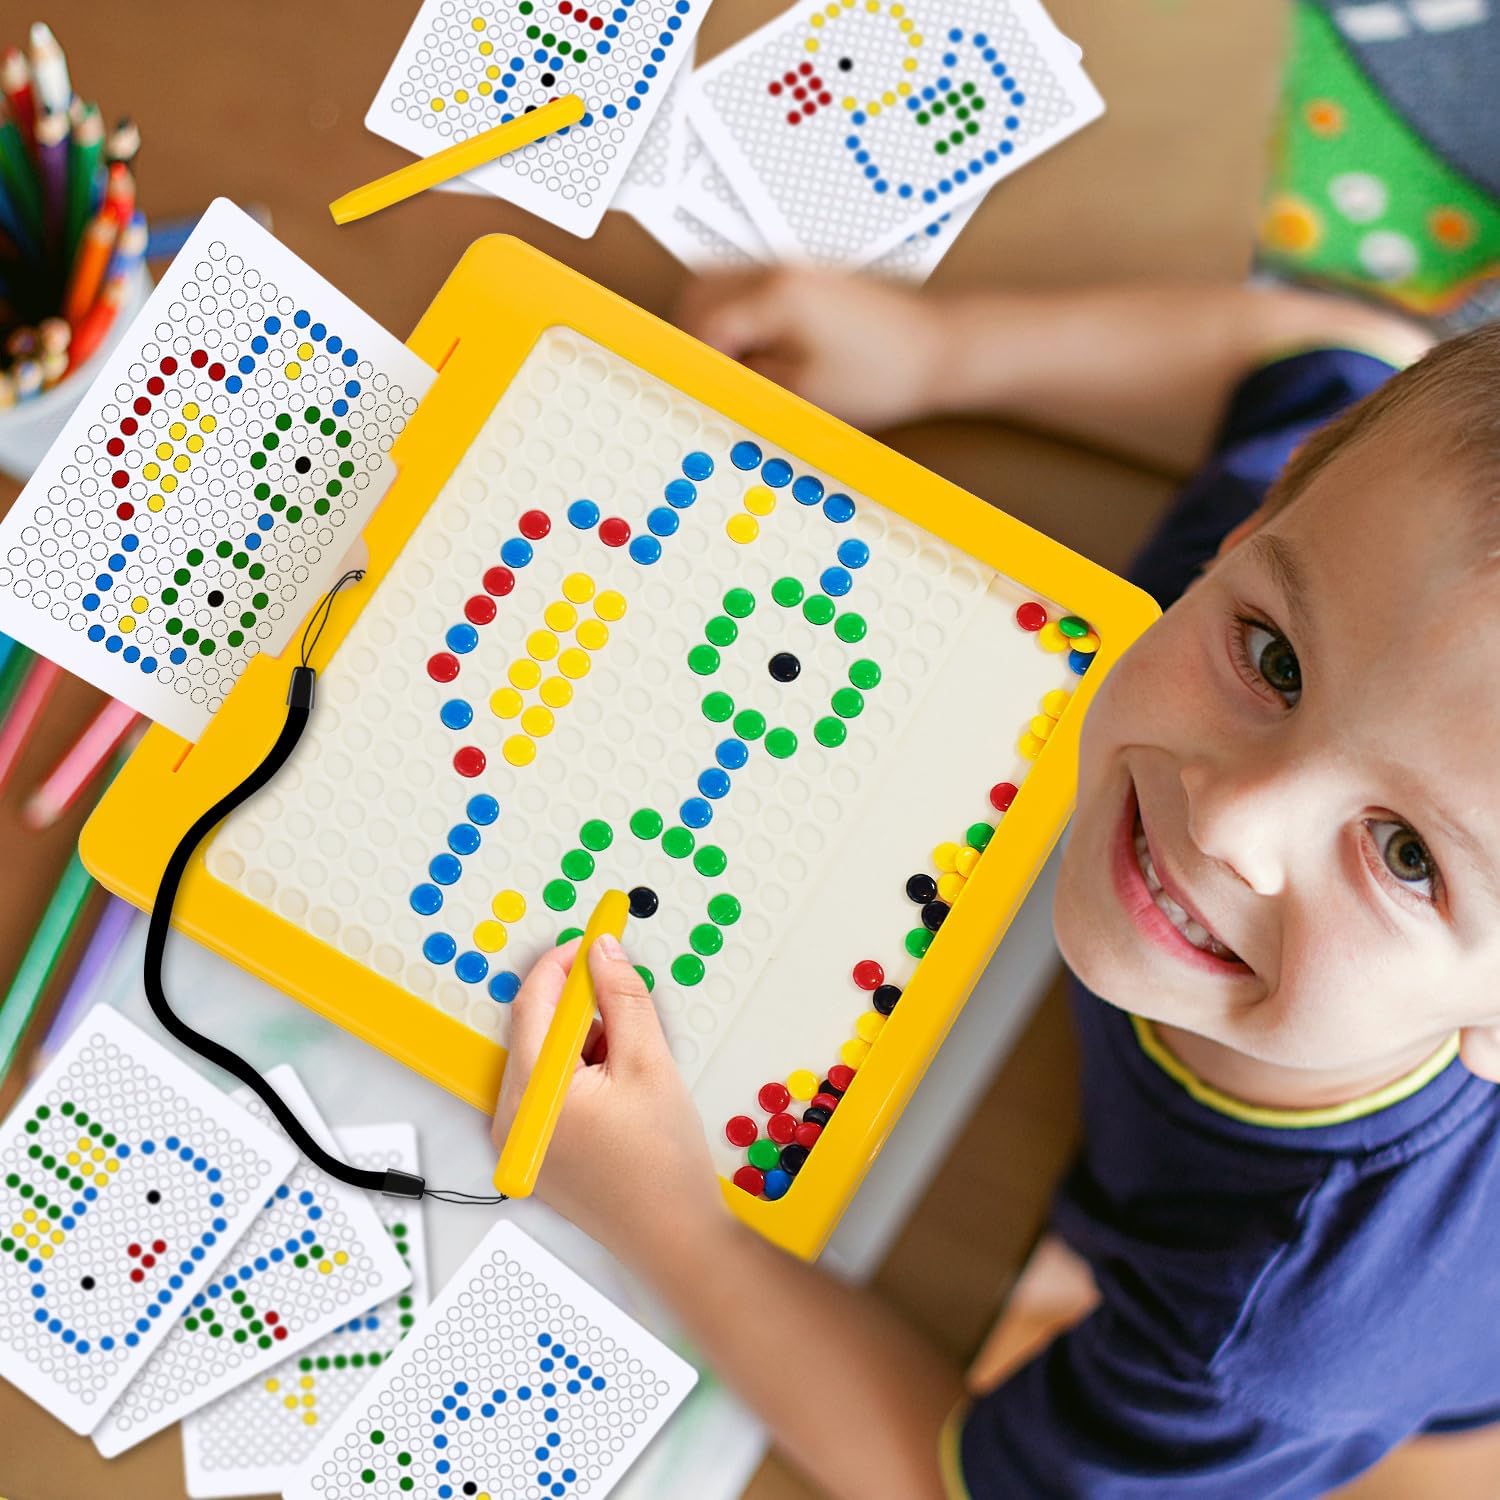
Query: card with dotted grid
{"x":251,"y":1441}
{"x":202,"y":496}
{"x":520,"y":1379}
{"x":723,"y":710}
{"x":846,"y":125}
{"x":127,"y":1179}
{"x":707,"y":196}
{"x":467,"y":65}
{"x":316,"y":1255}
{"x":656,"y":168}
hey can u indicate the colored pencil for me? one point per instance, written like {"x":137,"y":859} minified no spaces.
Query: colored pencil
{"x":92,"y":261}
{"x":542,"y":1100}
{"x":48,"y":944}
{"x":84,"y":152}
{"x":119,"y":194}
{"x":15,"y":84}
{"x":52,"y":172}
{"x":8,"y":649}
{"x":26,"y":709}
{"x":109,"y":936}
{"x":123,"y":144}
{"x":49,"y":71}
{"x":94,"y":328}
{"x":27,"y":377}
{"x":17,"y":178}
{"x":83,"y":761}
{"x":454,"y":161}
{"x":12,"y":676}
{"x":130,"y":249}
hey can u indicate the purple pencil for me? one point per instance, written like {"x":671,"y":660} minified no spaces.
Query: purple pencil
{"x":113,"y":928}
{"x":52,"y":169}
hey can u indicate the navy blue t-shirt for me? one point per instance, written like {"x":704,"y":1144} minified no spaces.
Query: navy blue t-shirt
{"x":1284,"y":1297}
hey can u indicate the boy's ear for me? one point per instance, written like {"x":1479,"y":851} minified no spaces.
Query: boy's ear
{"x":1479,"y":1049}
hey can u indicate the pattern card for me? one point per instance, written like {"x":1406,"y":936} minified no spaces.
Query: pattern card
{"x":251,"y":1441}
{"x":846,"y":126}
{"x":469,"y":64}
{"x":316,"y":1255}
{"x":202,"y":497}
{"x":520,"y":1380}
{"x":127,"y":1179}
{"x":657,"y":167}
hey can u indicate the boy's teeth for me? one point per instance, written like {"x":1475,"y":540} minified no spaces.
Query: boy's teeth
{"x":1193,"y":930}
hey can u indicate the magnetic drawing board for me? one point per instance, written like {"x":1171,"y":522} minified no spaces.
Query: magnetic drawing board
{"x":636,"y":617}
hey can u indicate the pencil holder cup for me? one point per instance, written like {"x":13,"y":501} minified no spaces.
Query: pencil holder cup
{"x":28,"y":429}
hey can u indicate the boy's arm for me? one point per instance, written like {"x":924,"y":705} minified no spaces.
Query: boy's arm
{"x":1143,"y":370}
{"x":853,"y":1395}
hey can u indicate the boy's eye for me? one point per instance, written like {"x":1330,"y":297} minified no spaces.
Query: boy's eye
{"x":1405,"y":854}
{"x":1272,"y":656}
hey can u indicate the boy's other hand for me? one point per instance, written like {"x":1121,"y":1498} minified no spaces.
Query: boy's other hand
{"x":628,"y":1163}
{"x":866,"y":351}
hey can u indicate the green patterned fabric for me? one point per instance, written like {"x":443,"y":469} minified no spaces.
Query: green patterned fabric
{"x":1357,"y":198}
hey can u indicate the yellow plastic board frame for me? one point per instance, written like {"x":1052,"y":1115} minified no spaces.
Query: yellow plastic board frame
{"x":480,"y":328}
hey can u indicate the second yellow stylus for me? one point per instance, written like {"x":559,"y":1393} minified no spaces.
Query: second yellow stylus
{"x":542,"y":1102}
{"x":454,"y":161}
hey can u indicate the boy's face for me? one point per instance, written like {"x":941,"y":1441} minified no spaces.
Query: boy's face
{"x":1319,"y":788}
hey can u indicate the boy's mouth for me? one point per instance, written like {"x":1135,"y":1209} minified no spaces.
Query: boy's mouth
{"x":1155,"y":908}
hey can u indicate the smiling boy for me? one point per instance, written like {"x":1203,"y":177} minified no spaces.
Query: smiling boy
{"x":1280,"y":899}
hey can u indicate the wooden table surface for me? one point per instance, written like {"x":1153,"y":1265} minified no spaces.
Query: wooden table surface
{"x":264,"y":103}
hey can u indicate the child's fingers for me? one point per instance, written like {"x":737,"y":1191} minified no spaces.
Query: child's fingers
{"x":532,"y":1010}
{"x":760,"y":315}
{"x":632,"y":1031}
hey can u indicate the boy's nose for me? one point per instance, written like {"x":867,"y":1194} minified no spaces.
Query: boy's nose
{"x":1240,"y":816}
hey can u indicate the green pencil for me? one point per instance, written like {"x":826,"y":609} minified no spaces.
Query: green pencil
{"x":48,"y":943}
{"x":13,"y":668}
{"x":16,"y":174}
{"x":84,"y":150}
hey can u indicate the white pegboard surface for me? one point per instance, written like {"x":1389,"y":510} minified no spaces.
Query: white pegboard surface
{"x":315,"y":1255}
{"x":213,"y":477}
{"x":520,"y":1380}
{"x":126,"y":1180}
{"x":467,"y":65}
{"x":375,"y":840}
{"x":250,"y":1441}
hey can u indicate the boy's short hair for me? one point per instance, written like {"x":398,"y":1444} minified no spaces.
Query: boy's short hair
{"x":1453,"y":392}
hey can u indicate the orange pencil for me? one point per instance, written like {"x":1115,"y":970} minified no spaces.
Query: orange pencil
{"x":41,"y":677}
{"x":94,"y":251}
{"x":90,"y":753}
{"x":93,"y":328}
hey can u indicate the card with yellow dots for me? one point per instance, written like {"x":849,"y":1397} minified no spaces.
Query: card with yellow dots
{"x":127,"y":1179}
{"x":315,"y":1256}
{"x":636,"y":618}
{"x":846,"y":126}
{"x":468,"y":65}
{"x":212,"y":479}
{"x":251,"y":1441}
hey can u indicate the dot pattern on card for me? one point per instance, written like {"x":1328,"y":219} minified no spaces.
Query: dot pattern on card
{"x":520,"y":1382}
{"x":855,"y":115}
{"x":251,"y":1439}
{"x":222,"y":467}
{"x":306,"y":1260}
{"x":631,"y":645}
{"x":467,"y":65}
{"x":117,"y":1195}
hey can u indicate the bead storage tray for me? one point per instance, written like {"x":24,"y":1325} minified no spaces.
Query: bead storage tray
{"x":635,"y":617}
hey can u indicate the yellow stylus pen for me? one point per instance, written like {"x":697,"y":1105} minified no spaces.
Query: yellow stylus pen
{"x":454,"y":161}
{"x":542,"y":1102}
